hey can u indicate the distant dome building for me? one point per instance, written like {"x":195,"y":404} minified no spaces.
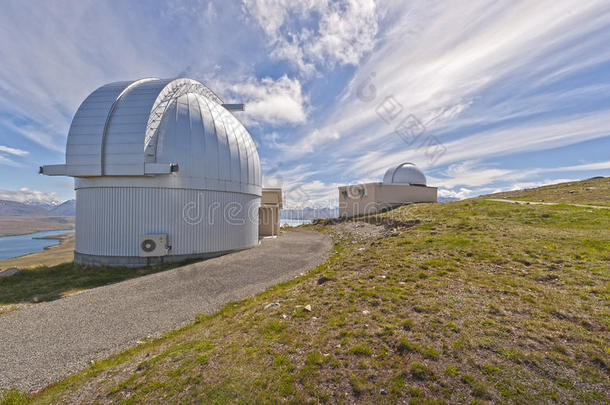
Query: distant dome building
{"x":405,"y":173}
{"x":402,"y":184}
{"x":163,"y":172}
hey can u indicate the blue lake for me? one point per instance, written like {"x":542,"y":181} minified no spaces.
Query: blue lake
{"x":13,"y":246}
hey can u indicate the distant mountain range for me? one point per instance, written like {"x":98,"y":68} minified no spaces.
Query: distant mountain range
{"x":319,"y":213}
{"x":68,"y":209}
{"x":37,"y":209}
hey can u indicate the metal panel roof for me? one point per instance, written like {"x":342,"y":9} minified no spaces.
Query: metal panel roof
{"x":123,"y":128}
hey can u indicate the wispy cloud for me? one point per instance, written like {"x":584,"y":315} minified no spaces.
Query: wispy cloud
{"x":470,"y":178}
{"x":500,"y":141}
{"x":460,"y":58}
{"x":5,"y":151}
{"x":486,"y":79}
{"x":13,"y":151}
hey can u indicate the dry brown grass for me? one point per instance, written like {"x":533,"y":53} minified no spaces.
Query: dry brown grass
{"x":17,"y":225}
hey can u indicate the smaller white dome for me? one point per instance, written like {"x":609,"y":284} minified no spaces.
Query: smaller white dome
{"x":404,"y":173}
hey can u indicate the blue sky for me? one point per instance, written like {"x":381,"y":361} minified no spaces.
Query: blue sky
{"x":482,"y":95}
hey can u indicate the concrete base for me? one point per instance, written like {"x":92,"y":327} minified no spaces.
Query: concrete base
{"x":136,"y":261}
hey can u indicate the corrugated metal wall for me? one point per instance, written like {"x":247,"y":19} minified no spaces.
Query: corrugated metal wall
{"x":110,"y":220}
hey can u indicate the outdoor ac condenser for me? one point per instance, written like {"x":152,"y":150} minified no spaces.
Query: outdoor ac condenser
{"x":153,"y":245}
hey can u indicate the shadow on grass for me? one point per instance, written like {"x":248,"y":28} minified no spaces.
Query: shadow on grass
{"x":47,"y":283}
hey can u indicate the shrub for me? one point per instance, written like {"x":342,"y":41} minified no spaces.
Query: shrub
{"x":404,"y":346}
{"x":421,"y":371}
{"x":361,"y":349}
{"x":451,"y":370}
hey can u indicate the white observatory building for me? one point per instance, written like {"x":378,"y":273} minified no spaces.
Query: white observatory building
{"x":402,"y":184}
{"x":163,"y":172}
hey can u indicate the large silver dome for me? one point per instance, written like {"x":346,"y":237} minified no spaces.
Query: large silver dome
{"x":160,"y":157}
{"x":404,"y":173}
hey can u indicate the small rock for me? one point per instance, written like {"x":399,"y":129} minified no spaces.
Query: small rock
{"x":572,"y":191}
{"x":590,"y":188}
{"x":383,"y":277}
{"x":314,"y":317}
{"x":383,"y":392}
{"x":284,"y":316}
{"x":338,"y":346}
{"x":11,"y":271}
{"x":307,"y":308}
{"x":324,"y":279}
{"x":402,"y":283}
{"x":366,"y":312}
{"x":272,"y":304}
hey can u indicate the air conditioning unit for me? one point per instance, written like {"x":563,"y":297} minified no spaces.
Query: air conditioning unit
{"x":153,"y":245}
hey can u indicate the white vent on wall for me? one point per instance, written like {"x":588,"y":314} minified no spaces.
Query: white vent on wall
{"x":153,"y":245}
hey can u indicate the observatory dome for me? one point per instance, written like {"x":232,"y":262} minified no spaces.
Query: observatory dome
{"x":404,"y":173}
{"x":160,"y":157}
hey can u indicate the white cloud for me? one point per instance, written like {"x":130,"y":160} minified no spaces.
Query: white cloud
{"x":270,"y":101}
{"x":314,"y":33}
{"x":54,"y":56}
{"x":47,"y":138}
{"x":13,"y":151}
{"x":304,"y":145}
{"x":315,"y":194}
{"x":300,"y":186}
{"x":459,"y":194}
{"x":470,"y":174}
{"x":438,"y":59}
{"x":533,"y":184}
{"x":8,"y":161}
{"x":472,"y":178}
{"x":26,"y":195}
{"x":476,"y":174}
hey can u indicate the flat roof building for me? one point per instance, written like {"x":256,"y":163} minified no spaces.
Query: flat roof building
{"x":402,"y":184}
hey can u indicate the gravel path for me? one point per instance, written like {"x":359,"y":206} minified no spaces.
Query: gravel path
{"x":545,"y":203}
{"x":45,"y":342}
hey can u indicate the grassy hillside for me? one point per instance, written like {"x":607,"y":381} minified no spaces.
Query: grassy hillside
{"x":594,"y":191}
{"x":469,"y":301}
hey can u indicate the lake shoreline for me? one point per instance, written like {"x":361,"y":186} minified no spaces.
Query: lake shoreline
{"x":53,"y":238}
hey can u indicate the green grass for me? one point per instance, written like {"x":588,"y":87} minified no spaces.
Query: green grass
{"x":45,"y":283}
{"x":482,"y":301}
